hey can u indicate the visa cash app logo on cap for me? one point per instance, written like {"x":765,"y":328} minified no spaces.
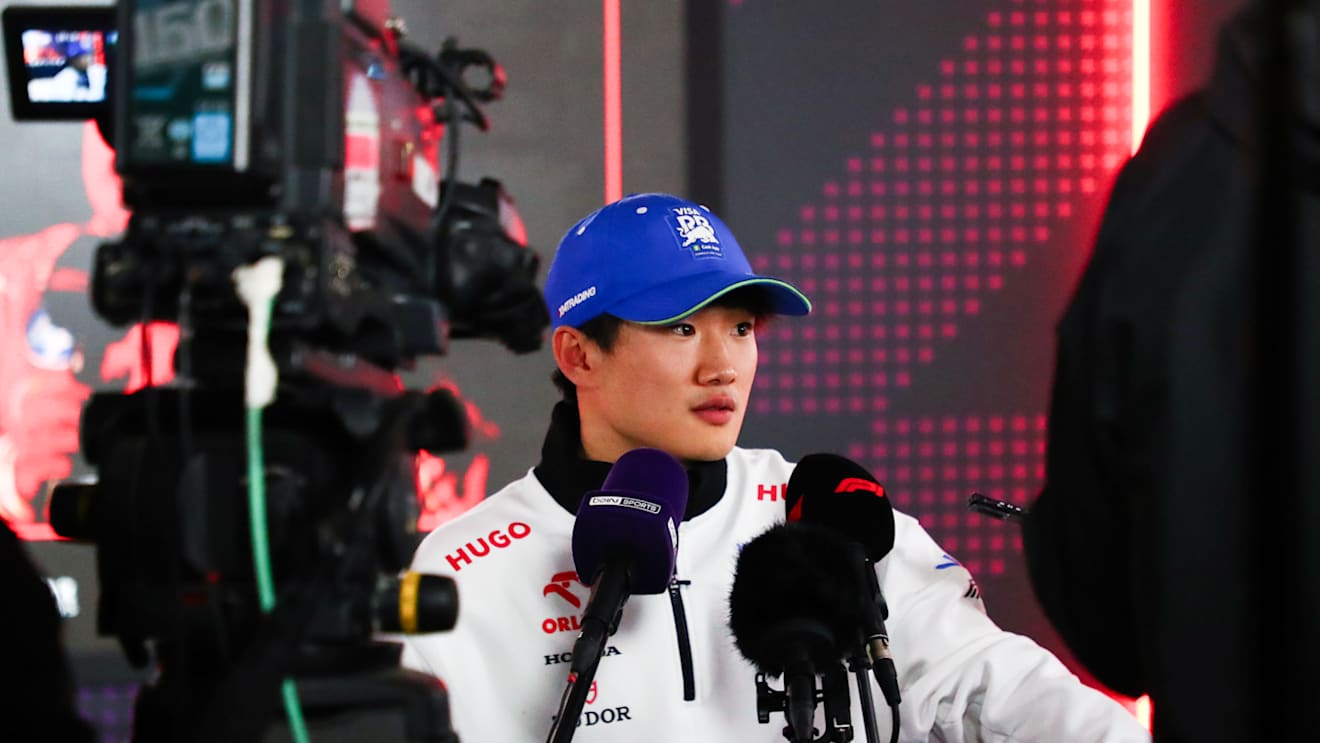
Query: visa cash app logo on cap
{"x":695,"y":232}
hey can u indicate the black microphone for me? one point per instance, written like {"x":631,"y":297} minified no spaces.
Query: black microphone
{"x":838,"y":494}
{"x":794,"y":610}
{"x":625,"y":542}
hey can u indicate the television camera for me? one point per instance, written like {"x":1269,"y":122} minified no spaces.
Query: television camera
{"x":245,"y":540}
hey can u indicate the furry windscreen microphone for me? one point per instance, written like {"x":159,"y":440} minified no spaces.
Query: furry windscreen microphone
{"x":634,"y":516}
{"x":796,"y":587}
{"x":838,"y":493}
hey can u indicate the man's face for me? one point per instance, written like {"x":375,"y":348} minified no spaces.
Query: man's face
{"x":81,"y":61}
{"x":682,"y":388}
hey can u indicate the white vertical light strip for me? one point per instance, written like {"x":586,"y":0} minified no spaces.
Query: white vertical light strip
{"x":1140,"y":70}
{"x":1141,"y":65}
{"x":243,"y":85}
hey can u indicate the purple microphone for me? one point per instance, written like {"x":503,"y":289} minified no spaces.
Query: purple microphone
{"x":625,"y":542}
{"x":633,"y":519}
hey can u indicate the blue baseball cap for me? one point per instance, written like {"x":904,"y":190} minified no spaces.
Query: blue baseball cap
{"x":76,"y":48}
{"x":652,"y":258}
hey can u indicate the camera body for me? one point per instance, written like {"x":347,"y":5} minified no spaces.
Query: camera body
{"x":307,"y":129}
{"x":295,"y":136}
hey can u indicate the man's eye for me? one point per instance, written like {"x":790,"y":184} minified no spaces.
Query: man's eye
{"x":683,"y":328}
{"x":746,"y":328}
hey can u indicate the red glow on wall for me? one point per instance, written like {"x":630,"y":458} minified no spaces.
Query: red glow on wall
{"x":141,"y":366}
{"x":40,"y":396}
{"x":34,"y":532}
{"x":444,"y":493}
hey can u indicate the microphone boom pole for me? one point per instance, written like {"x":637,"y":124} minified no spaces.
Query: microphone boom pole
{"x":598,"y":623}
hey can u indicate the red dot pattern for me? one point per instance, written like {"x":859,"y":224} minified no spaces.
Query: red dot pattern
{"x":942,"y":211}
{"x":930,"y":465}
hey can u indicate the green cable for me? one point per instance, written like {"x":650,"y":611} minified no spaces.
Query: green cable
{"x":261,"y":553}
{"x":257,"y":512}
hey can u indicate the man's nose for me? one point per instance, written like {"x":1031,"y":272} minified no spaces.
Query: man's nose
{"x":716,"y":364}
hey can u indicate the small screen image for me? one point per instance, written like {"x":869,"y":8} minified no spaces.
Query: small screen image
{"x":59,"y":61}
{"x":66,"y":66}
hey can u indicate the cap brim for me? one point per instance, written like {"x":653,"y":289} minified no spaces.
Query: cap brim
{"x":675,"y":300}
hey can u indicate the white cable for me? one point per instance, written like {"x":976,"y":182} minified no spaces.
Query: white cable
{"x":257,"y":286}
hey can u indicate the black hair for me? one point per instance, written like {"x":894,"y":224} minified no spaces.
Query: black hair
{"x":603,"y":330}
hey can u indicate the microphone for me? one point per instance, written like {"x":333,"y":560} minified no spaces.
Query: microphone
{"x":842,"y":496}
{"x":794,"y":609}
{"x":625,"y":542}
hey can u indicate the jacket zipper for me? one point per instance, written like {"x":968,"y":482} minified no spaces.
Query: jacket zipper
{"x":684,"y":642}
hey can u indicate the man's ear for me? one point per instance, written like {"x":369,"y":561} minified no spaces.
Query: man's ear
{"x":575,"y":355}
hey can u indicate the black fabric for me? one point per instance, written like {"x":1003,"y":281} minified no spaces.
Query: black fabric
{"x":39,"y":701}
{"x":1142,"y":546}
{"x":568,"y":475}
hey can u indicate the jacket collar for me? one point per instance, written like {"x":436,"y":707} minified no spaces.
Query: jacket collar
{"x":567,"y":475}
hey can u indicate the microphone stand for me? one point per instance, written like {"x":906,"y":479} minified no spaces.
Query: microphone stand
{"x":875,"y":651}
{"x":838,"y":711}
{"x":833,"y":692}
{"x":858,"y":665}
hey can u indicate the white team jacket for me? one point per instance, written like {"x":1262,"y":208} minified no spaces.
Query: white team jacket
{"x":505,"y":663}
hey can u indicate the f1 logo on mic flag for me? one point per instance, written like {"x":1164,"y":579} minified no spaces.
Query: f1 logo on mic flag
{"x":854,"y":484}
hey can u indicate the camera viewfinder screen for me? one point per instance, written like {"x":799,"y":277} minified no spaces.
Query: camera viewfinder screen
{"x":66,"y":66}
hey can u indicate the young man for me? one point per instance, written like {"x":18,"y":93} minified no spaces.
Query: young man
{"x":654,"y":311}
{"x":82,"y":78}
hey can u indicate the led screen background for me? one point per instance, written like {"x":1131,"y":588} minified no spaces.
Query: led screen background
{"x":931,"y":174}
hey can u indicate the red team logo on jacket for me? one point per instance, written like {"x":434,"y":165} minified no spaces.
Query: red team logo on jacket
{"x":561,"y":585}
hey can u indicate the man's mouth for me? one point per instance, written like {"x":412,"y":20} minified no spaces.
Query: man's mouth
{"x":716,"y":411}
